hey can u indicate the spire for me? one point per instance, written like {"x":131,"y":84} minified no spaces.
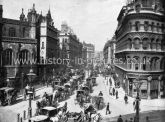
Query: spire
{"x":22,"y":16}
{"x":33,"y":8}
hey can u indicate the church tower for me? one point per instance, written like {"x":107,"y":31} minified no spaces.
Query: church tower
{"x":32,"y":15}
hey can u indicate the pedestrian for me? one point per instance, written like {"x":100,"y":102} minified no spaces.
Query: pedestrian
{"x":116,"y":94}
{"x":126,"y":99}
{"x":120,"y":119}
{"x":113,"y":91}
{"x":107,"y":109}
{"x":100,"y":94}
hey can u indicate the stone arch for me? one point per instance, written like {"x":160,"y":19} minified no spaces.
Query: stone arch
{"x":137,"y":43}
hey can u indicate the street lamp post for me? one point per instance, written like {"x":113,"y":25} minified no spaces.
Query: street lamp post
{"x":30,"y":74}
{"x":137,"y":84}
{"x":149,"y":85}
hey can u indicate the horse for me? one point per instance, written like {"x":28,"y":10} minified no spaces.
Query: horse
{"x":96,"y":117}
{"x":56,"y":95}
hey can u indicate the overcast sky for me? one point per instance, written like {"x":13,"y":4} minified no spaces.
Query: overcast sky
{"x":93,"y":21}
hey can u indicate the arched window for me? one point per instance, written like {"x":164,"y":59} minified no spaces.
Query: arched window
{"x":146,"y":25}
{"x":136,"y":61}
{"x":144,"y":63}
{"x":152,"y":43}
{"x":137,"y":25}
{"x":12,"y":32}
{"x":145,"y":43}
{"x":129,"y":43}
{"x":136,"y":43}
{"x":152,"y":26}
{"x":8,"y":57}
{"x":24,"y":55}
{"x":154,"y":63}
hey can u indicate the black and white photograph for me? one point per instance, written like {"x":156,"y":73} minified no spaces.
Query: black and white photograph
{"x":82,"y":61}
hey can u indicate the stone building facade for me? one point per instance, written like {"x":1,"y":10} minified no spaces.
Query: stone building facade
{"x":71,"y":46}
{"x":140,"y":48}
{"x":90,"y":54}
{"x":109,"y":51}
{"x":22,"y":43}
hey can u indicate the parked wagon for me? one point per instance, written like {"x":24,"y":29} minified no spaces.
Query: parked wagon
{"x":8,"y":95}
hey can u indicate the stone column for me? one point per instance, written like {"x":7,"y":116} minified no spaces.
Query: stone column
{"x":149,"y":87}
{"x":159,"y":80}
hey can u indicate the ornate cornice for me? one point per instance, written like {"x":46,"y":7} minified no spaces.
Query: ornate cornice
{"x":19,"y":40}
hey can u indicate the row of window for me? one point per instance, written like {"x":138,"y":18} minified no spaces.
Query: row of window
{"x":12,"y":32}
{"x":146,"y":63}
{"x":146,"y":44}
{"x":22,"y":56}
{"x":147,"y":25}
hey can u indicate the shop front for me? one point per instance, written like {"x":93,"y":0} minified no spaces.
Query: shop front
{"x":154,"y":89}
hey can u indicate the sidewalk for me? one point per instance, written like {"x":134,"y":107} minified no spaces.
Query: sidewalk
{"x":145,"y":105}
{"x":153,"y":104}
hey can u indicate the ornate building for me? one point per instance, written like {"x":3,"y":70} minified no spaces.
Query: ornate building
{"x":140,"y":48}
{"x":71,"y":47}
{"x":24,"y":41}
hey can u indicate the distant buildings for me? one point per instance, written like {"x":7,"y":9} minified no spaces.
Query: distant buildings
{"x":141,"y":47}
{"x":90,"y":53}
{"x":109,"y":52}
{"x":71,"y":47}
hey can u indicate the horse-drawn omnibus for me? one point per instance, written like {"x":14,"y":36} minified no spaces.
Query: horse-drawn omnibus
{"x":8,"y":95}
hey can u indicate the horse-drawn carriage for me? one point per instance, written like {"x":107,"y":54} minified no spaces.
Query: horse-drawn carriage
{"x":8,"y":95}
{"x":98,"y":102}
{"x":56,"y":83}
{"x":94,"y":81}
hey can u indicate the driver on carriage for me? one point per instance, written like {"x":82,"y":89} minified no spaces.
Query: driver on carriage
{"x":45,"y":96}
{"x":100,"y":94}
